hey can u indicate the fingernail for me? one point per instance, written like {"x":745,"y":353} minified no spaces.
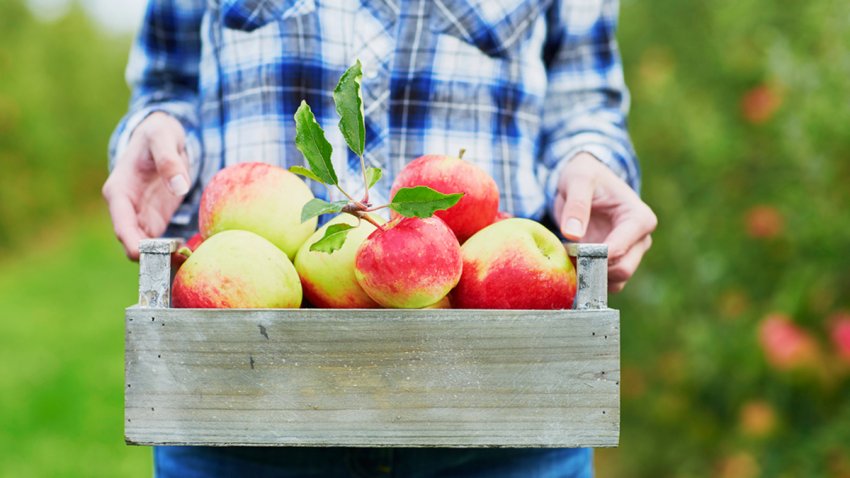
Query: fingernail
{"x":572,"y":228}
{"x":178,"y":184}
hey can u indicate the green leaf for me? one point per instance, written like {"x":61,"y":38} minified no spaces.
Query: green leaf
{"x":422,"y":201}
{"x":310,"y":140}
{"x":333,"y":239}
{"x":317,"y":207}
{"x":373,"y":175}
{"x":301,"y":170}
{"x":349,"y":106}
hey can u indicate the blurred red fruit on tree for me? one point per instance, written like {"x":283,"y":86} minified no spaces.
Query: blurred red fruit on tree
{"x":740,"y":465}
{"x":764,"y":222}
{"x":786,"y":345}
{"x":757,"y":419}
{"x":759,"y":104}
{"x":839,"y":324}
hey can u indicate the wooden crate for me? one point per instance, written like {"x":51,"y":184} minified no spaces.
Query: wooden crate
{"x":318,"y":377}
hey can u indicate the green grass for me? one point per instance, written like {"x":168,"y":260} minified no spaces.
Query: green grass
{"x":61,"y":349}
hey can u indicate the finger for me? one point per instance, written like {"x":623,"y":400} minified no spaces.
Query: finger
{"x":639,"y":222}
{"x":614,"y":287}
{"x":159,"y":207}
{"x":623,"y":270}
{"x":577,"y":191}
{"x":171,"y":163}
{"x":125,"y":224}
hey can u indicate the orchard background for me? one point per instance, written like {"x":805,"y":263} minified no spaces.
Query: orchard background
{"x":736,"y":329}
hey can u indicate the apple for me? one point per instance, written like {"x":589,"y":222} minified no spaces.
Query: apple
{"x":443,"y":303}
{"x":502,"y":215}
{"x":261,"y":198}
{"x":840,"y":334}
{"x":786,"y":345}
{"x":328,"y":279}
{"x":515,"y":264}
{"x":758,"y":418}
{"x":480,"y":203}
{"x":410,"y":263}
{"x":237,"y":269}
{"x":179,"y":257}
{"x":759,"y":104}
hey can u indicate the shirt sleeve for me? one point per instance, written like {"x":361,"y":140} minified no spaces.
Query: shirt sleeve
{"x":586,"y":100}
{"x":163,"y":74}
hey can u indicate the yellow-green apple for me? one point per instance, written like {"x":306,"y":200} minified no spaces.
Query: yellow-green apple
{"x":237,"y":269}
{"x":328,"y":278}
{"x":261,"y":198}
{"x":179,"y":257}
{"x":443,"y":303}
{"x":515,"y":264}
{"x":410,"y":263}
{"x":446,"y":174}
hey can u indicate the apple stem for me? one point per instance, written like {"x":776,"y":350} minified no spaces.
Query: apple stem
{"x":364,"y":215}
{"x":461,"y":153}
{"x":377,"y":208}
{"x":185,"y":252}
{"x":357,"y":203}
{"x":365,"y":181}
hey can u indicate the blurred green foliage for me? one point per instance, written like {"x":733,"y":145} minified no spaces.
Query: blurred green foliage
{"x":61,"y":91}
{"x":62,"y":350}
{"x":63,"y":279}
{"x":740,"y":116}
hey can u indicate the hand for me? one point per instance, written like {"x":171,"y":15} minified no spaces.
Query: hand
{"x":594,"y":205}
{"x":148,"y":182}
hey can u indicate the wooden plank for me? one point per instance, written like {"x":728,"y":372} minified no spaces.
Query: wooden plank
{"x":155,"y":272}
{"x":315,"y":377}
{"x":591,"y":274}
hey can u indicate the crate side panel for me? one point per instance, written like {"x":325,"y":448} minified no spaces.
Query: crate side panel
{"x":372,"y":378}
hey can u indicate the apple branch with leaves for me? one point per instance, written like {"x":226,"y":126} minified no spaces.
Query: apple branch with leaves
{"x":420,"y":201}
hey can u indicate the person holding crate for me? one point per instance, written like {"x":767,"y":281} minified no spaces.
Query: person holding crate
{"x":532,"y":89}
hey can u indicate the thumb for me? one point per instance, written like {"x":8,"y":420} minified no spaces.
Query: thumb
{"x":577,"y":191}
{"x":172,"y":164}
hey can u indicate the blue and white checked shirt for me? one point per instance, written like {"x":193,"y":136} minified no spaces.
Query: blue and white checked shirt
{"x":522,"y":85}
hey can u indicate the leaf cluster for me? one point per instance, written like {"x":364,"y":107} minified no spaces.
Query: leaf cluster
{"x":310,"y":139}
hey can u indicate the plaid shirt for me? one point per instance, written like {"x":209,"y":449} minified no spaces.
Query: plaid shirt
{"x":522,"y":85}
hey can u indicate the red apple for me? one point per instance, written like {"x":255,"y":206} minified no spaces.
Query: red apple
{"x":502,"y":215}
{"x":237,"y":269}
{"x":764,"y":222}
{"x":759,"y":104}
{"x":515,"y":264}
{"x":480,"y":203}
{"x":328,"y":279}
{"x":178,"y":258}
{"x":261,"y":198}
{"x":786,"y":345}
{"x":840,"y":334}
{"x":758,"y":418}
{"x":411,"y":263}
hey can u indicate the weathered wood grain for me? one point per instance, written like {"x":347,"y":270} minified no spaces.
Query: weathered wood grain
{"x":592,"y":275}
{"x":155,"y":272}
{"x":315,"y":377}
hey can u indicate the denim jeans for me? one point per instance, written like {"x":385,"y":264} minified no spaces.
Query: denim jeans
{"x":206,"y":462}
